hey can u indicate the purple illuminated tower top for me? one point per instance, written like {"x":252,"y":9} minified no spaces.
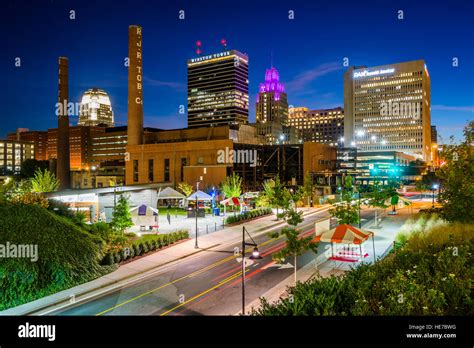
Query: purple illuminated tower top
{"x":272,"y":83}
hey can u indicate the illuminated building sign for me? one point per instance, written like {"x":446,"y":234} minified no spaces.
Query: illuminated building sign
{"x":367,"y":73}
{"x":211,"y":56}
{"x":138,"y":66}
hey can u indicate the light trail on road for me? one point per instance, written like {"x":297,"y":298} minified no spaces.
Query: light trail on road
{"x":193,"y":274}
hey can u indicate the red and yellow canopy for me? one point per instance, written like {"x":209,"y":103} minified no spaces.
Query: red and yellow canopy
{"x":346,"y":234}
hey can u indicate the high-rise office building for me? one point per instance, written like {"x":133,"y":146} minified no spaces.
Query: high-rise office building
{"x":434,"y":135}
{"x":218,"y":89}
{"x":272,"y":102}
{"x":387,"y":108}
{"x":96,"y":109}
{"x":321,"y":126}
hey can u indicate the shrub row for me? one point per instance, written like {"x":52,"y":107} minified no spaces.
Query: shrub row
{"x":248,"y":215}
{"x":142,"y":246}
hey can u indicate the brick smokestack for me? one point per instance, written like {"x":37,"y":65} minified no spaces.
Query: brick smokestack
{"x":63,"y":170}
{"x":135,"y":86}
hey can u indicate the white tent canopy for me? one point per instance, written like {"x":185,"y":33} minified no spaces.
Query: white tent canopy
{"x":169,"y":193}
{"x":201,"y":196}
{"x":144,"y":216}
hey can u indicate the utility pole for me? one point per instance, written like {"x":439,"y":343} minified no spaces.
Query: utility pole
{"x":196,"y":213}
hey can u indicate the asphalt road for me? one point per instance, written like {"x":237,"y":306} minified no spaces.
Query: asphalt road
{"x":208,"y":283}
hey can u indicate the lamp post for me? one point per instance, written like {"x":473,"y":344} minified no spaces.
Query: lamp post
{"x":358,"y":193}
{"x":255,"y":256}
{"x":196,"y":213}
{"x":433,"y":189}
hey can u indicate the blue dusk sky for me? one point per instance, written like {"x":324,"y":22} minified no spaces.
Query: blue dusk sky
{"x":308,"y":51}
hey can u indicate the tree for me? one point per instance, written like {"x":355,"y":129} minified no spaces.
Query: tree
{"x":394,"y":202}
{"x":6,"y":189}
{"x":456,"y":176}
{"x":421,"y":186}
{"x":185,"y":188}
{"x":276,"y":194}
{"x":309,"y":187}
{"x":295,"y":245}
{"x":296,"y":195}
{"x":121,"y":217}
{"x":44,"y":181}
{"x":346,"y":211}
{"x":378,"y":197}
{"x":262,"y":200}
{"x":30,"y":166}
{"x":232,"y":186}
{"x":20,"y":192}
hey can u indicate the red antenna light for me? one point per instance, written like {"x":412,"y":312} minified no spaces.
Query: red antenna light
{"x":224,"y":42}
{"x":198,"y":47}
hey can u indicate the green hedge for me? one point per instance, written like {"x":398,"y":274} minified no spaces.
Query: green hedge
{"x":143,"y":245}
{"x":431,"y":275}
{"x":248,"y":215}
{"x":67,"y":255}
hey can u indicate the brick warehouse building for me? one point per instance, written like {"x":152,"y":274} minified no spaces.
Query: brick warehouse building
{"x":208,"y":155}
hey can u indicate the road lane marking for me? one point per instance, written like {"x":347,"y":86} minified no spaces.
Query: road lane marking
{"x":200,"y":294}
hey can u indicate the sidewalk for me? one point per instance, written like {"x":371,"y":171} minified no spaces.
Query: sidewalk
{"x":136,"y":270}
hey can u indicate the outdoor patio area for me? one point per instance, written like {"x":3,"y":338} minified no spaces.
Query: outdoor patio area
{"x":178,"y":220}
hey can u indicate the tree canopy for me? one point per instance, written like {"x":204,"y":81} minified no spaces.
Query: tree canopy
{"x":457,"y":179}
{"x":232,"y":186}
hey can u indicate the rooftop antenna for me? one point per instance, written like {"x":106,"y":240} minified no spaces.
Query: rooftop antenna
{"x":271,"y":59}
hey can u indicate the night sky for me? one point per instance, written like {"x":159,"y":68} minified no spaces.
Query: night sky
{"x":308,"y":51}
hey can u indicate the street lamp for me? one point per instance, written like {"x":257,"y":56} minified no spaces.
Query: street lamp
{"x":434,"y":188}
{"x":196,"y":242}
{"x":358,"y":193}
{"x":255,"y":256}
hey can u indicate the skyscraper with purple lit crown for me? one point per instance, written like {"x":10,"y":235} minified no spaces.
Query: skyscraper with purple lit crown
{"x":272,"y":102}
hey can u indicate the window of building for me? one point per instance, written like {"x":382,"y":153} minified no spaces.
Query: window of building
{"x":135,"y":170}
{"x":183,"y":164}
{"x":150,"y":170}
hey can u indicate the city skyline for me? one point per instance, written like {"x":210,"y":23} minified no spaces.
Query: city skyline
{"x":313,"y":76}
{"x":236,"y":159}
